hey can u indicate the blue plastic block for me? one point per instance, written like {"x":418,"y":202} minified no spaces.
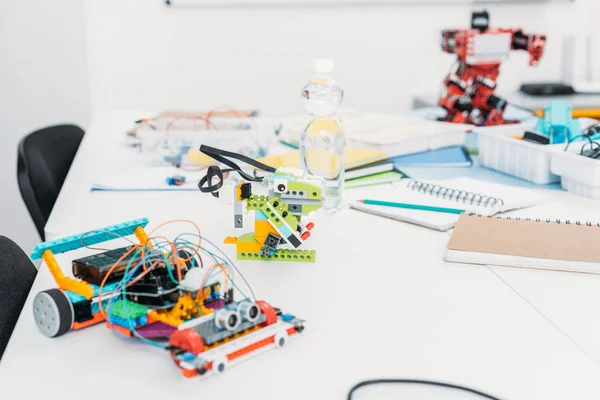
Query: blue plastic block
{"x":141,"y":321}
{"x":287,"y":317}
{"x":125,"y":323}
{"x":260,"y":216}
{"x":88,"y":238}
{"x":187,"y":356}
{"x":558,"y":123}
{"x":107,"y":289}
{"x":285,"y":231}
{"x":175,"y":180}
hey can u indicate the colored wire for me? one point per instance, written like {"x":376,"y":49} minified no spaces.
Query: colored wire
{"x":180,"y":220}
{"x":160,"y":252}
{"x":106,"y":278}
{"x":233,"y":265}
{"x":373,"y":382}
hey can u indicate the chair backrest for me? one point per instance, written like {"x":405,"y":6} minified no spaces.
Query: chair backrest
{"x":17,"y":274}
{"x":44,"y":159}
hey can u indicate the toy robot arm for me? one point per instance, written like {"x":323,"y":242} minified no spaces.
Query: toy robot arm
{"x":448,"y":40}
{"x":534,"y":44}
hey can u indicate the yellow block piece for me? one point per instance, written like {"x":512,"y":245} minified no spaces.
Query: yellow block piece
{"x":262,"y":230}
{"x":230,"y":240}
{"x":248,"y":247}
{"x":238,"y":191}
{"x":141,"y":235}
{"x":185,"y":309}
{"x":65,"y":283}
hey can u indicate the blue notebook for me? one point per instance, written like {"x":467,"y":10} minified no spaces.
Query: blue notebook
{"x":455,"y":156}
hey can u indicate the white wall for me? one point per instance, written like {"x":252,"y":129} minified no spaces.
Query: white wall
{"x":43,"y":81}
{"x":145,"y":55}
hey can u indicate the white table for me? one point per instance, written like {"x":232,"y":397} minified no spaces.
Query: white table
{"x":379,"y":302}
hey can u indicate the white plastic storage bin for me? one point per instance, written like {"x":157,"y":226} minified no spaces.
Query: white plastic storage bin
{"x":579,"y":175}
{"x":529,"y":161}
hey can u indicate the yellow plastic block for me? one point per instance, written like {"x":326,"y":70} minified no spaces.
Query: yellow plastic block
{"x":248,"y":247}
{"x":63,"y":282}
{"x":238,"y":191}
{"x":262,"y":230}
{"x":141,"y":235}
{"x":230,"y":240}
{"x":185,"y":309}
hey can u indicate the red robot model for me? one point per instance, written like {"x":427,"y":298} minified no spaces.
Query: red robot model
{"x":468,"y":95}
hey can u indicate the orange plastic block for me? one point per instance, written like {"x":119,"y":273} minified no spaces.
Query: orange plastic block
{"x":189,"y":373}
{"x":64,"y":282}
{"x":96,"y":318}
{"x":248,"y":349}
{"x":123,"y":331}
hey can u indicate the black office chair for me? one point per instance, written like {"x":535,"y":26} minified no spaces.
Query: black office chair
{"x":44,"y":159}
{"x":17,"y":274}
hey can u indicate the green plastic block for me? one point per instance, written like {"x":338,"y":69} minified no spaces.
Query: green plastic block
{"x":314,"y":192}
{"x":282,"y":255}
{"x":272,"y":214}
{"x":247,"y":238}
{"x":255,"y":202}
{"x":281,"y":208}
{"x":128,"y":310}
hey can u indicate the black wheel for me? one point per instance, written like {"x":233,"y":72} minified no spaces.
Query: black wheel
{"x":53,"y":312}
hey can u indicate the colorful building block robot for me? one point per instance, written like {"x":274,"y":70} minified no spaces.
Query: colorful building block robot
{"x":468,"y":95}
{"x":158,"y":294}
{"x":279,"y":231}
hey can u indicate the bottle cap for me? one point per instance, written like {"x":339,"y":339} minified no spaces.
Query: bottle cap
{"x":323,"y":65}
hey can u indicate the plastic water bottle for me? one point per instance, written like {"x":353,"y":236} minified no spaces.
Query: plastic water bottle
{"x":322,"y":142}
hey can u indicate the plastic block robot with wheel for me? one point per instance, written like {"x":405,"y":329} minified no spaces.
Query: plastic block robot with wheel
{"x":279,"y":231}
{"x":159,"y":293}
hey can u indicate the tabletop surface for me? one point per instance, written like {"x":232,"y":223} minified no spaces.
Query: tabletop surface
{"x":379,"y":302}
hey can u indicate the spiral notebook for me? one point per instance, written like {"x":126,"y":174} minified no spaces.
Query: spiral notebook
{"x":527,"y":243}
{"x":472,"y":195}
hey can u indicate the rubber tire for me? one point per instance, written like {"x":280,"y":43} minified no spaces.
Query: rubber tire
{"x":63,"y":307}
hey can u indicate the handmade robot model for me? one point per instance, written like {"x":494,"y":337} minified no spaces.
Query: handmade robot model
{"x":468,"y":93}
{"x":278,"y":228}
{"x":159,"y":293}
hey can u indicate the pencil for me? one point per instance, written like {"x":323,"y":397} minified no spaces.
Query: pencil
{"x":413,"y":206}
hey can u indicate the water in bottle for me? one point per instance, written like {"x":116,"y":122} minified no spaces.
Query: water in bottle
{"x":322,"y":142}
